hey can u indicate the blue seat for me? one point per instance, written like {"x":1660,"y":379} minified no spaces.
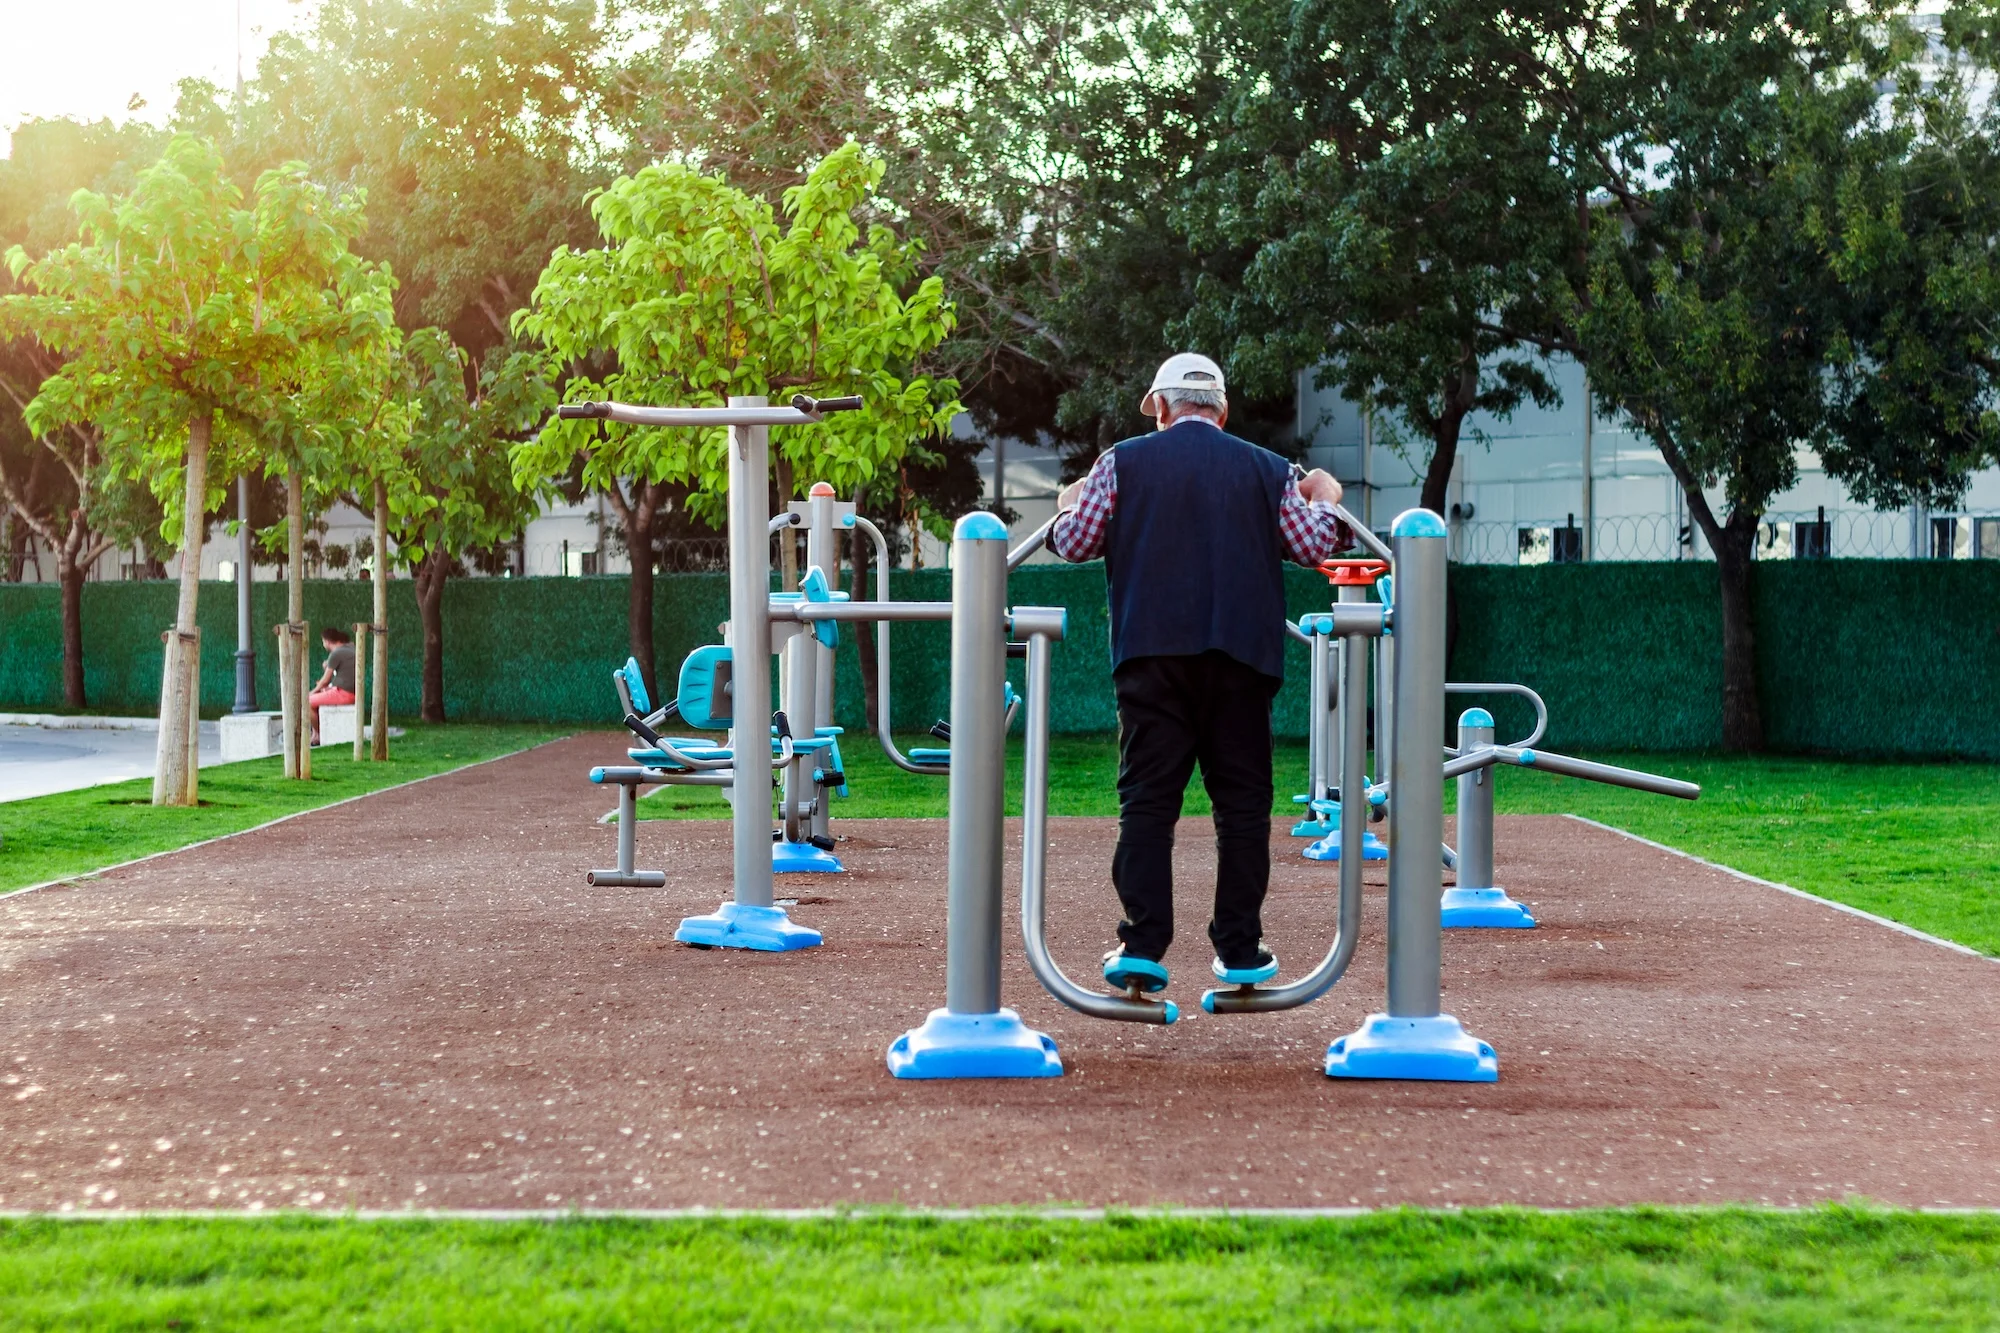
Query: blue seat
{"x":704,"y":694}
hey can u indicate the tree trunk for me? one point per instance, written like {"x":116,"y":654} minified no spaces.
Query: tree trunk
{"x":70,"y":574}
{"x":1459,"y":396}
{"x":864,"y":631}
{"x":1735,"y":563}
{"x":639,"y":590}
{"x":1734,"y":544}
{"x":380,"y":741}
{"x":180,"y":690}
{"x":788,"y":539}
{"x":297,"y":716}
{"x":431,"y":576}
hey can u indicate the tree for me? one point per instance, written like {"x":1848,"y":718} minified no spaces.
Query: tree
{"x":699,"y":296}
{"x":1391,"y":190}
{"x":450,"y":488}
{"x":1791,"y":260}
{"x":181,"y":309}
{"x":471,"y":127}
{"x":54,"y":484}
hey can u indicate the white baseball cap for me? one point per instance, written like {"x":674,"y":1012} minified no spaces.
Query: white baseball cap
{"x":1183,"y":370}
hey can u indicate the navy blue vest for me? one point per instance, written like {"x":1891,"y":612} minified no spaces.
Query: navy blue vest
{"x":1194,"y":556}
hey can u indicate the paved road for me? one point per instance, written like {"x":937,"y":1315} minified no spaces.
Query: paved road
{"x":35,"y":761}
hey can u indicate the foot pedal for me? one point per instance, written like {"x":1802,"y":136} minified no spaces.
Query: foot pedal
{"x":1245,"y":976}
{"x":1139,"y":976}
{"x":821,"y":841}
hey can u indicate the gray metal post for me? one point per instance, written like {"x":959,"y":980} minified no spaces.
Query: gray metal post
{"x":972,"y":1036}
{"x":750,"y":654}
{"x":1416,"y":787}
{"x":1475,"y":805}
{"x":1316,"y":765}
{"x":246,"y":653}
{"x":978,"y":768}
{"x":1415,"y":1039}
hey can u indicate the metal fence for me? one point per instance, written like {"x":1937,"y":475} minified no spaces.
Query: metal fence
{"x":1819,"y":533}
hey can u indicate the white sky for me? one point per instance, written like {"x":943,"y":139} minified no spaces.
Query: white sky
{"x":88,"y":58}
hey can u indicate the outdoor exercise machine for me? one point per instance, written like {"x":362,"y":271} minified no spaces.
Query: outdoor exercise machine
{"x":974,"y":1036}
{"x":801,"y":756}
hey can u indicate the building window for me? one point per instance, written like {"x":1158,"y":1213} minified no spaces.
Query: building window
{"x":1813,"y":540}
{"x":1986,"y":539}
{"x":1566,"y":544}
{"x":1774,"y":541}
{"x":1951,"y":538}
{"x":1534,"y":545}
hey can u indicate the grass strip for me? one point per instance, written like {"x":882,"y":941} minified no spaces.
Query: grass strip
{"x":75,"y":832}
{"x":1646,"y":1268}
{"x":1918,"y":843}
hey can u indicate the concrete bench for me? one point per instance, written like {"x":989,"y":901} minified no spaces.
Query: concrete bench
{"x":252,"y":736}
{"x":336,"y":724}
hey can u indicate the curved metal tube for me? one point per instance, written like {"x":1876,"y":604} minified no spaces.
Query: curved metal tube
{"x":1035,"y":866}
{"x":1033,"y":542}
{"x":1347,"y":931}
{"x":883,"y":712}
{"x":785,"y":520}
{"x":1541,"y":709}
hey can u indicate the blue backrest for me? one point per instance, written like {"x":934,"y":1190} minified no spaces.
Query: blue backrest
{"x":704,"y":696}
{"x":631,"y":687}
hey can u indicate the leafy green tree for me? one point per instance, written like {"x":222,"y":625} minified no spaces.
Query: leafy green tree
{"x":473,"y":129}
{"x":54,"y":484}
{"x":1390,"y":192}
{"x":178,"y":310}
{"x":1791,"y":260}
{"x":449,"y":486}
{"x":699,"y":295}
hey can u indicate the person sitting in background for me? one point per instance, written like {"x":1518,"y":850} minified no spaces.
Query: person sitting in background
{"x":336,"y":683}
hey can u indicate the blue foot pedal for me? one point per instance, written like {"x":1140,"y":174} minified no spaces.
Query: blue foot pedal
{"x":791,"y":858}
{"x":997,"y":1045}
{"x":740,"y":926}
{"x":1124,"y":973}
{"x":1328,"y":848}
{"x":1436,"y":1048}
{"x":1483,"y":908}
{"x":1243,"y":976}
{"x":1313,"y":828}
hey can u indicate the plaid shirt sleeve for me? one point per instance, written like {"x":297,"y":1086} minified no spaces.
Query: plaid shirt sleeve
{"x":1311,"y":530}
{"x":1079,"y":534}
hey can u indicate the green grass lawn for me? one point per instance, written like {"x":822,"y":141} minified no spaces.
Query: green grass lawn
{"x":1916,"y":842}
{"x":71,"y":833}
{"x":1829,"y":1269}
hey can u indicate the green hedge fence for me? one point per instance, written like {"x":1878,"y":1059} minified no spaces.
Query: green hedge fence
{"x":1857,"y":656}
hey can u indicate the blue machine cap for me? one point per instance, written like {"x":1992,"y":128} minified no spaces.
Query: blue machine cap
{"x":1475,"y":717}
{"x":980,"y":526}
{"x":1418,"y":523}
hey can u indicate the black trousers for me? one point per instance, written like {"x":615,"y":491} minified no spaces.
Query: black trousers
{"x":1175,"y":712}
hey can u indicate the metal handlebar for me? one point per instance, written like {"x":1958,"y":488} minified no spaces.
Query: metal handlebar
{"x":1609,"y":774}
{"x":631,"y":414}
{"x":1541,"y":709}
{"x":1033,"y":542}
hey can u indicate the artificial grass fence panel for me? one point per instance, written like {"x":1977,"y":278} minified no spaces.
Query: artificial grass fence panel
{"x":1890,"y":657}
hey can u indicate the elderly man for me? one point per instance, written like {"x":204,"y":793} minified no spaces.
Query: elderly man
{"x":1194,"y":526}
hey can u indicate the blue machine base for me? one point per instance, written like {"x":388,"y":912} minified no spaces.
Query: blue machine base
{"x":791,"y":858}
{"x":1487,"y":908}
{"x":1416,"y":1048}
{"x":738,"y":926}
{"x":995,"y":1045}
{"x":1328,"y":848}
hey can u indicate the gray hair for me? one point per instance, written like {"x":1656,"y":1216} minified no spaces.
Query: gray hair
{"x":1201,"y":400}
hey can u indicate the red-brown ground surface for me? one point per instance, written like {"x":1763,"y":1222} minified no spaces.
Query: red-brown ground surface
{"x":415,"y":1000}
